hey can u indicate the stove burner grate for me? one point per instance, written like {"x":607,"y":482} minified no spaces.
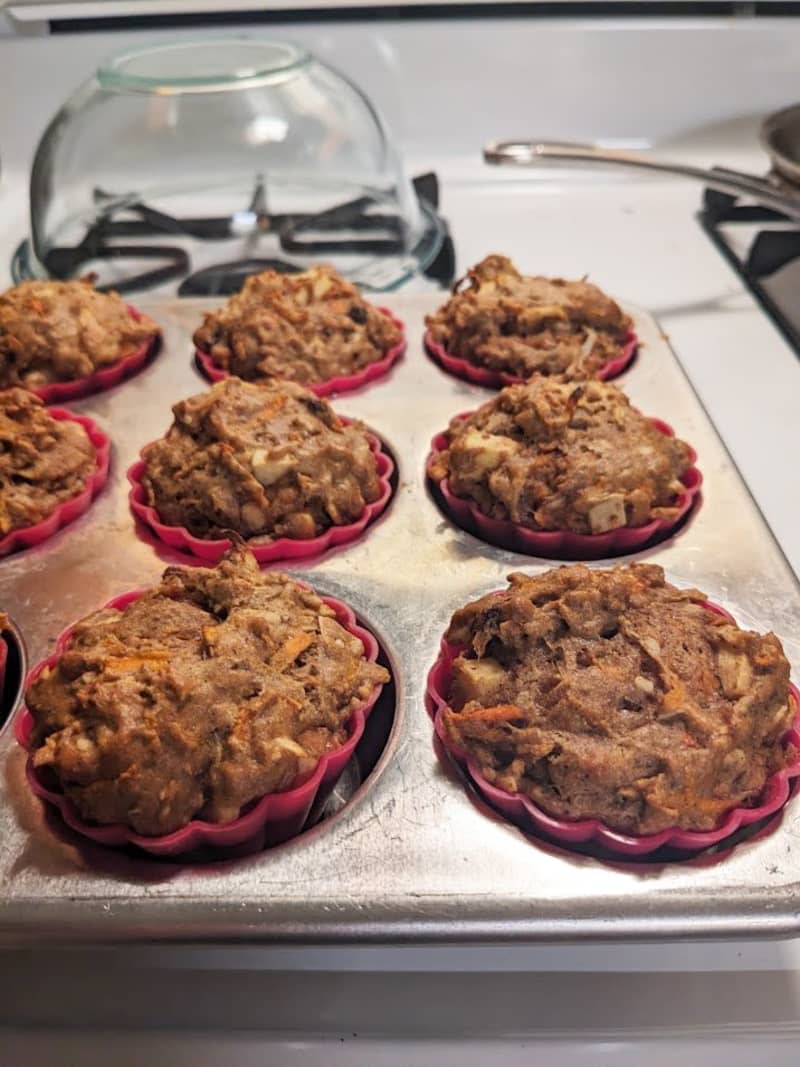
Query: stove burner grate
{"x":350,"y":228}
{"x":768,"y":261}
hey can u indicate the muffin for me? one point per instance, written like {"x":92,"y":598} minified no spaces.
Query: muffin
{"x":553,"y":455}
{"x":517,"y":325}
{"x":264,"y":461}
{"x":612,"y":695}
{"x":308,"y":327}
{"x":54,"y":332}
{"x":214,"y":688}
{"x":44,"y":461}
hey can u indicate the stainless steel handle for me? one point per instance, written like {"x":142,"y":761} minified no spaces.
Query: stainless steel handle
{"x":530,"y":153}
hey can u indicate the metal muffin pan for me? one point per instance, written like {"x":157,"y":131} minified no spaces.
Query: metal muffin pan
{"x":411,"y":857}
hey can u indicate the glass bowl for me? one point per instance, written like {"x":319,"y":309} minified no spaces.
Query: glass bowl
{"x":209,"y":160}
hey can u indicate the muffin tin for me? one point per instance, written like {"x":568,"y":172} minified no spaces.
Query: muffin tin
{"x":413,"y":855}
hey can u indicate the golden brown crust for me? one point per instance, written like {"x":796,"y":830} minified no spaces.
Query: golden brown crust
{"x":61,"y":331}
{"x":556,"y":456}
{"x":43,"y":461}
{"x":610,"y":694}
{"x":306,"y":327}
{"x":265,"y":461}
{"x":523,"y":325}
{"x":216,"y":687}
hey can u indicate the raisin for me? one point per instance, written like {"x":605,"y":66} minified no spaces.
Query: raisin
{"x":357,"y":314}
{"x":630,"y":704}
{"x":314,"y":405}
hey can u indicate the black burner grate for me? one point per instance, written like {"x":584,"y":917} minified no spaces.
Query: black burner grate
{"x":770,"y":266}
{"x":352,"y":228}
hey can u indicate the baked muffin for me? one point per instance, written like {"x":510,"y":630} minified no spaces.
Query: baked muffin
{"x":306,"y":327}
{"x":508,"y":322}
{"x":43,"y":461}
{"x":62,"y":331}
{"x":553,"y":455}
{"x":610,"y":694}
{"x":214,"y":688}
{"x":265,"y":461}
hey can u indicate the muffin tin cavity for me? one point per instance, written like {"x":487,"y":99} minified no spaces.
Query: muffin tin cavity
{"x":12,"y":672}
{"x":399,"y":850}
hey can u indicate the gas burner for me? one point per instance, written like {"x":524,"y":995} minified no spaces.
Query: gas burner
{"x":763,"y":247}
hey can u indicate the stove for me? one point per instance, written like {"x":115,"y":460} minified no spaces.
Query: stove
{"x":592,"y":79}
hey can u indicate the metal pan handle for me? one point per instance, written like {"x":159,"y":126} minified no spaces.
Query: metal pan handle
{"x":531,"y":153}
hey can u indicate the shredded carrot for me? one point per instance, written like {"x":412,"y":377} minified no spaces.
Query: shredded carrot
{"x":291,"y":649}
{"x":500,"y":713}
{"x":274,"y":406}
{"x":675,"y":698}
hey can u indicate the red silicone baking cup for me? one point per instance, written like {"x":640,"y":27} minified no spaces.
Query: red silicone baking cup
{"x":344,"y":383}
{"x":525,"y":813}
{"x":492,"y":379}
{"x":562,"y":544}
{"x":28,"y":536}
{"x":103,"y":379}
{"x":282,"y":549}
{"x":276,"y":816}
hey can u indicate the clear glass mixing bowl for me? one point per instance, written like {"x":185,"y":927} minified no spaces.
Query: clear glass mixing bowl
{"x":207,"y":160}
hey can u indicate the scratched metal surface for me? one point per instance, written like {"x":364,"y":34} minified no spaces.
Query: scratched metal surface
{"x":410,"y":857}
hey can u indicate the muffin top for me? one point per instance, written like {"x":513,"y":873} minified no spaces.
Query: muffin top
{"x":43,"y":461}
{"x":553,"y":455}
{"x":214,"y":688}
{"x":507,"y":321}
{"x":61,"y":331}
{"x":306,"y":327}
{"x":264,"y":461}
{"x":611,"y":694}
